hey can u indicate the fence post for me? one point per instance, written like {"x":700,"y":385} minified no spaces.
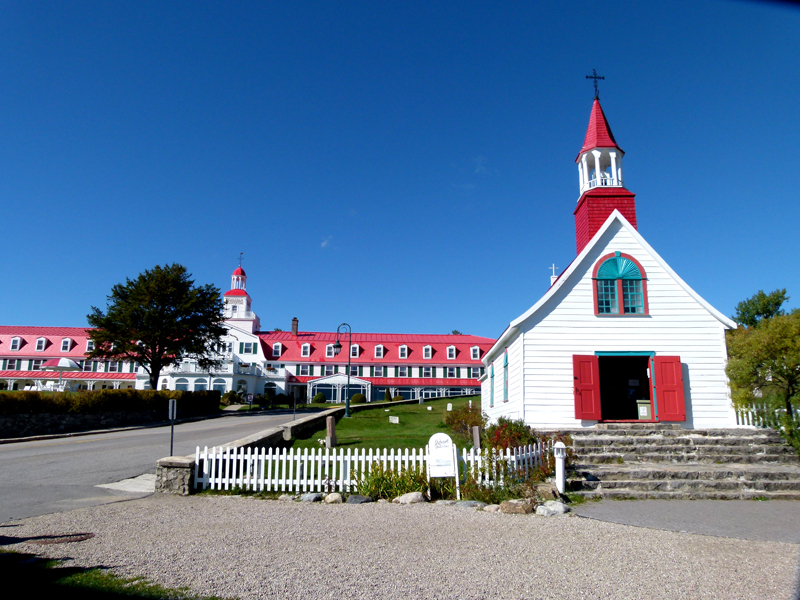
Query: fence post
{"x":560,"y":451}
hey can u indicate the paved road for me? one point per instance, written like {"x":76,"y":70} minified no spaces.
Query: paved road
{"x":771,"y":521}
{"x":41,"y":477}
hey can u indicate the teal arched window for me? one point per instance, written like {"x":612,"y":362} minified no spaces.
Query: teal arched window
{"x":505,"y":376}
{"x":491,"y":385}
{"x":620,"y":286}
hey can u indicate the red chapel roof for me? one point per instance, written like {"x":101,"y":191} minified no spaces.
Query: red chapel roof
{"x":598,"y":134}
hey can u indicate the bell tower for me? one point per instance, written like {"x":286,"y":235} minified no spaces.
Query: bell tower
{"x":237,"y":303}
{"x":600,"y":179}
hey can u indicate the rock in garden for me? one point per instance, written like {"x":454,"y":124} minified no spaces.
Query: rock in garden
{"x":446,"y":502}
{"x":510,"y":507}
{"x":334,"y":498}
{"x":410,"y":498}
{"x":547,"y":491}
{"x":312,"y":497}
{"x":492,"y":508}
{"x":286,"y":498}
{"x":358,"y":499}
{"x":383,"y":501}
{"x":552,"y":508}
{"x":470,"y":504}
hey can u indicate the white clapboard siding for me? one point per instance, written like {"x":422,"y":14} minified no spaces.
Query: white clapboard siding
{"x":298,"y":471}
{"x":541,"y":378}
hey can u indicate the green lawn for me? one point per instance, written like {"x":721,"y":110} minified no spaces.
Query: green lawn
{"x":371,"y":428}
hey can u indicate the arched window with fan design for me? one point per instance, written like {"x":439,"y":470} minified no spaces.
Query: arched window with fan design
{"x":620,"y":286}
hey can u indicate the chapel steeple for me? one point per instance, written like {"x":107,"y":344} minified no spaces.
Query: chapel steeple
{"x":600,"y":179}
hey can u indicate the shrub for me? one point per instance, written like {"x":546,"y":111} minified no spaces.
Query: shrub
{"x":378,"y":482}
{"x":508,"y":433}
{"x":462,"y":420}
{"x":319,"y":398}
{"x":358,"y":399}
{"x":398,"y":398}
{"x":387,"y":396}
{"x":231,"y":397}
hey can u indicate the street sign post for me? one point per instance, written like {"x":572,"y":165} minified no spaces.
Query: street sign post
{"x":173,"y":412}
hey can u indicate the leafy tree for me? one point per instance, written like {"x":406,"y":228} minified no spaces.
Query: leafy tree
{"x":759,"y":307}
{"x":456,"y":332}
{"x":764,"y":362}
{"x":158,"y":319}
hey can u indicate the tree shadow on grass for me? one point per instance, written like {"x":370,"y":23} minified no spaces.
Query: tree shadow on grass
{"x":27,"y":575}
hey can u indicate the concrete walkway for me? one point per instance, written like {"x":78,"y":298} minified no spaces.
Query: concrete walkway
{"x":770,"y":521}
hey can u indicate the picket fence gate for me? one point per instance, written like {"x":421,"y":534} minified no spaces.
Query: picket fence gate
{"x":293,"y":470}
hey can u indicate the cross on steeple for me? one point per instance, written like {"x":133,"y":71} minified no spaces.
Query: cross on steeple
{"x":240,"y":258}
{"x":553,"y":268}
{"x":595,"y":76}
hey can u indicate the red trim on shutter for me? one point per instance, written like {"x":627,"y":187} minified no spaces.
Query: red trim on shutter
{"x":586,"y":372}
{"x":669,"y":388}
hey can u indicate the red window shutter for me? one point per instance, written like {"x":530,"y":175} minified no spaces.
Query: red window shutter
{"x":586,"y":372}
{"x":669,"y":388}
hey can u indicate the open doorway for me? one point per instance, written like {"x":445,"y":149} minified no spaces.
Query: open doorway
{"x":623,"y":381}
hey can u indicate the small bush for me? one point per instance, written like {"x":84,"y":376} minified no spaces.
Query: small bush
{"x":378,"y":482}
{"x":319,"y":399}
{"x":358,"y":399}
{"x":508,"y":433}
{"x":398,"y":398}
{"x":462,"y":420}
{"x":231,"y":397}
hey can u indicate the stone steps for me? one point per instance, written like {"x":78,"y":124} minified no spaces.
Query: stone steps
{"x":665,"y":461}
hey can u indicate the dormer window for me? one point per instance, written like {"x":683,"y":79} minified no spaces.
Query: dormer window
{"x":15,"y":343}
{"x":354,"y":350}
{"x":427,"y":352}
{"x":41,"y":344}
{"x":402,"y":351}
{"x":475,"y":353}
{"x":451,"y":353}
{"x":66,"y":345}
{"x":276,"y":349}
{"x":305,"y":350}
{"x":379,"y":351}
{"x":89,"y":345}
{"x":330,"y":352}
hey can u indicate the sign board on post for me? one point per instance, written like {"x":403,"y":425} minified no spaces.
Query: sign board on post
{"x":443,"y":459}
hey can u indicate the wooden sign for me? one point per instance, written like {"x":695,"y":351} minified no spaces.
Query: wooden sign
{"x":442,"y":459}
{"x":394,"y":420}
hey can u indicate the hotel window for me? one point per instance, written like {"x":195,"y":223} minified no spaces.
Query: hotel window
{"x":247,"y":348}
{"x":86,"y":365}
{"x":36,"y":364}
{"x":113,"y":367}
{"x":305,"y":350}
{"x":402,"y":371}
{"x":353,"y":370}
{"x":378,"y":351}
{"x":451,"y":353}
{"x":378,"y":371}
{"x":475,"y":353}
{"x":89,"y":345}
{"x":403,"y":351}
{"x":328,"y":369}
{"x":304,"y":370}
{"x":451,"y":372}
{"x":66,"y":345}
{"x":427,"y":352}
{"x":354,"y":351}
{"x":276,"y":349}
{"x":13,"y":364}
{"x":134,"y":367}
{"x":329,"y":352}
{"x":15,"y":342}
{"x":426,"y":372}
{"x":474,"y":372}
{"x":40,"y":344}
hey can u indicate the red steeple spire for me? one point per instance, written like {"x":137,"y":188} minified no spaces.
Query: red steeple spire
{"x":598,"y":134}
{"x":600,"y":177}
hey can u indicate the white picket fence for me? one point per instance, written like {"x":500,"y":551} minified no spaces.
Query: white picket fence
{"x":760,"y":415}
{"x":318,"y":470}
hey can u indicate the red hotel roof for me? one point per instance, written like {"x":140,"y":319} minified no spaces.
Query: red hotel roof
{"x":66,"y":375}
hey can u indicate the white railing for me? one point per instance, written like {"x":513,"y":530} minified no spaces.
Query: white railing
{"x":293,"y":470}
{"x":604,"y":182}
{"x":759,"y":415}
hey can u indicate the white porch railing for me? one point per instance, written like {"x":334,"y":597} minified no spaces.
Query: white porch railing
{"x":759,"y":415}
{"x":293,"y":470}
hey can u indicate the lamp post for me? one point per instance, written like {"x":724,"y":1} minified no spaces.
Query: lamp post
{"x":337,"y":347}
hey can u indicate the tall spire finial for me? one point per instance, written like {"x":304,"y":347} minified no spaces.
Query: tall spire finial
{"x":595,"y":76}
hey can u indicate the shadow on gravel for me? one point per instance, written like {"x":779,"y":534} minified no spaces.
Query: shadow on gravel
{"x":28,"y":576}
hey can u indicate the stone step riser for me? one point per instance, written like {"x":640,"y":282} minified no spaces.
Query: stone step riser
{"x":701,"y":443}
{"x":636,"y":495}
{"x":686,"y":449}
{"x":693,"y":486}
{"x":756,"y":477}
{"x":604,"y":459}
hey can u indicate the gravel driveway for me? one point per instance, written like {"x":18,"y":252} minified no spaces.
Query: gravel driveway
{"x":247,"y":548}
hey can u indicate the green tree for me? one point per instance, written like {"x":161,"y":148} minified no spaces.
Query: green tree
{"x":158,"y":319}
{"x":759,"y":307}
{"x":456,"y":332}
{"x":764,"y":362}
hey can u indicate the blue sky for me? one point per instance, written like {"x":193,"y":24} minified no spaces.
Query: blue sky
{"x":403,"y":167}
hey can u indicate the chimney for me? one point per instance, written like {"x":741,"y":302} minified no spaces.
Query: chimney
{"x":294,"y":326}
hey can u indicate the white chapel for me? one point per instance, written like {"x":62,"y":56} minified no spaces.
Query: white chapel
{"x":619,"y":336}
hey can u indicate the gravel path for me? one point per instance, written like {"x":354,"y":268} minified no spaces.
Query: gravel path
{"x":247,"y":548}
